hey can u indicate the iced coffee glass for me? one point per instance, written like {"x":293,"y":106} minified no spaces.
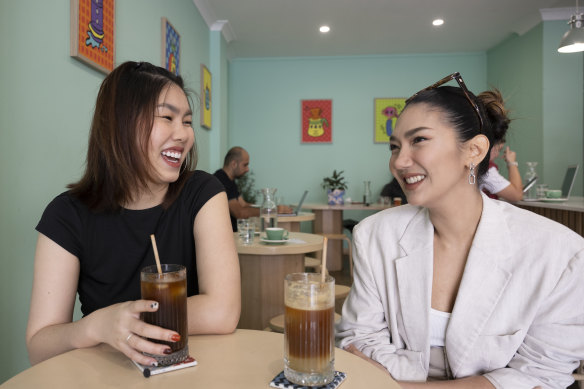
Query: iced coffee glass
{"x":309,"y":329}
{"x":169,"y":289}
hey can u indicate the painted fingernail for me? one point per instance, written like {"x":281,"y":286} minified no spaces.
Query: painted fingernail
{"x":167,"y":351}
{"x":175,"y":337}
{"x":154,"y":305}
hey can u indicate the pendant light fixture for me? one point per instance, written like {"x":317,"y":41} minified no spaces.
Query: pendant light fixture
{"x":573,"y":39}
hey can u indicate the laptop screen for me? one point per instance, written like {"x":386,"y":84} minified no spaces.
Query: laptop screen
{"x":569,"y":179}
{"x":298,"y":207}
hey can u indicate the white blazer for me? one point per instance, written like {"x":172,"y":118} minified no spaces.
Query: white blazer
{"x":518,"y":318}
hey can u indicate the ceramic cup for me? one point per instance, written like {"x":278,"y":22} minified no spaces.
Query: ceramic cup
{"x":276,"y":233}
{"x":553,"y":193}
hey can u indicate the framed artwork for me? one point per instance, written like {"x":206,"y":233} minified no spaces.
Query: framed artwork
{"x":170,"y":47}
{"x":386,"y":112}
{"x":206,"y":101}
{"x":92,"y":38}
{"x":317,"y":121}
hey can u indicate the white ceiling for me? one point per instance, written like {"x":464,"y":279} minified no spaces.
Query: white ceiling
{"x":289,"y":28}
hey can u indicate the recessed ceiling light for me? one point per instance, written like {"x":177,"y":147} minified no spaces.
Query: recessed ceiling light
{"x":437,"y":22}
{"x":324,"y":29}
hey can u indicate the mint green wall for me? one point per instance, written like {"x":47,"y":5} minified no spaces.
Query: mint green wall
{"x":562,"y":108}
{"x":515,"y":68}
{"x":47,"y":101}
{"x":220,"y":75}
{"x":544,"y":90}
{"x":264,"y":114}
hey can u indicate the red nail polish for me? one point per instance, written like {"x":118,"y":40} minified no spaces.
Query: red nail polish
{"x":167,"y":351}
{"x":175,"y":338}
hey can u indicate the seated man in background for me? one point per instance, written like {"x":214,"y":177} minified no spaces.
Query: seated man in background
{"x":235,"y":165}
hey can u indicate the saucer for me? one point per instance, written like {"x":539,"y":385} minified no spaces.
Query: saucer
{"x":554,"y":200}
{"x":269,"y":241}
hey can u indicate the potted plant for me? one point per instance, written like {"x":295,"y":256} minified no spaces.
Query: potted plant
{"x":335,"y":186}
{"x":245,"y":186}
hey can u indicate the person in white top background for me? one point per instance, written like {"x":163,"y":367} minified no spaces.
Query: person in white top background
{"x":494,"y":184}
{"x":456,"y":290}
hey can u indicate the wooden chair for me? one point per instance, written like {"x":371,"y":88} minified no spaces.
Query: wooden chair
{"x":314,"y":263}
{"x":579,"y":375}
{"x":341,"y":291}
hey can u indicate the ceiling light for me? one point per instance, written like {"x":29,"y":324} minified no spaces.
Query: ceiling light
{"x":573,"y":39}
{"x":437,"y":22}
{"x":324,"y":29}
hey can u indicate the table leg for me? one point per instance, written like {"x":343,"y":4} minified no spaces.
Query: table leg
{"x":330,"y":221}
{"x":262,"y":286}
{"x":290,"y":226}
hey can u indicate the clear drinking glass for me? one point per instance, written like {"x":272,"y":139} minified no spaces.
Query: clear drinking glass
{"x":247,"y":231}
{"x":240,"y":227}
{"x":531,"y":193}
{"x":169,"y":289}
{"x":309,"y":335}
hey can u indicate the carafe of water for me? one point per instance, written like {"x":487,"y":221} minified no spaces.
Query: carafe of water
{"x":367,"y":192}
{"x":531,"y":193}
{"x":268,"y":209}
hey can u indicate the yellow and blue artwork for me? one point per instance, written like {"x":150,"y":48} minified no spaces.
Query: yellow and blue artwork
{"x":387,"y":110}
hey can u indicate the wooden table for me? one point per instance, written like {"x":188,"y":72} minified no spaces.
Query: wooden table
{"x":263,"y":268}
{"x":292,"y":223}
{"x":569,"y":213}
{"x":244,"y":359}
{"x":329,"y":220}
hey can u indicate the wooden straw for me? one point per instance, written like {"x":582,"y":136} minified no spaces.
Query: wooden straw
{"x":156,"y":254}
{"x":323,"y":264}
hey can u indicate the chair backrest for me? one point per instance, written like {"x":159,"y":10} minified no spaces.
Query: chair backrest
{"x":343,"y":237}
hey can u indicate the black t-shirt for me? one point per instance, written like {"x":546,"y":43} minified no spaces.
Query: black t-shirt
{"x":112,"y":248}
{"x":231,"y":189}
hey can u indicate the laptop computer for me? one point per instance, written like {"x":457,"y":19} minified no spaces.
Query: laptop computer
{"x":298,"y":207}
{"x":568,"y":183}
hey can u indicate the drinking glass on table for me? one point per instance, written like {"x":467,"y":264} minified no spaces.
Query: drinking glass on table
{"x":247,"y":231}
{"x":169,"y":289}
{"x":309,"y":347}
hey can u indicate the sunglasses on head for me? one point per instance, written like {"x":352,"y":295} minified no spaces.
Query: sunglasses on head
{"x":454,"y":76}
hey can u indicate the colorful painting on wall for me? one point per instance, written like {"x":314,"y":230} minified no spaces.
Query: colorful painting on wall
{"x":170,"y":47}
{"x":92,"y":38}
{"x":387,"y":111}
{"x":206,"y":101}
{"x":317,"y":121}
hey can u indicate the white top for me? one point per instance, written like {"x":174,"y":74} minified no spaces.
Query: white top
{"x":438,"y":323}
{"x":493,"y":181}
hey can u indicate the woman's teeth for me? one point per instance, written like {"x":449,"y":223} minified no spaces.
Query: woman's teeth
{"x":172,"y":154}
{"x":414,"y":179}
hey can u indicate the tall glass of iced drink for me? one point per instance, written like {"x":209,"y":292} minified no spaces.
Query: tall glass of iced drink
{"x":309,"y":329}
{"x":169,"y":289}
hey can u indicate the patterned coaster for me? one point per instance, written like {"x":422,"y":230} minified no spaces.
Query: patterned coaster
{"x":147,"y":371}
{"x":281,"y":382}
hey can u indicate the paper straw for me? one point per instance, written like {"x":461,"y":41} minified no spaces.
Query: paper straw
{"x":156,"y":253}
{"x":323,"y":264}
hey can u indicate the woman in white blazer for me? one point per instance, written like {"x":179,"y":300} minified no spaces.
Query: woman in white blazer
{"x":456,"y":286}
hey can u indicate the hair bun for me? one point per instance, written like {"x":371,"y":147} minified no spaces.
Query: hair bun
{"x":498,"y":114}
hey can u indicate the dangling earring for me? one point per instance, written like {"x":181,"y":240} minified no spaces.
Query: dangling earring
{"x":185,"y":165}
{"x":472,"y":179}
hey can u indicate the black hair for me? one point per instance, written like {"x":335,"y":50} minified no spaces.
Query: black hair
{"x":460,"y":113}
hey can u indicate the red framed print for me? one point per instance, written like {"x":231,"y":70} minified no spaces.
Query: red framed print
{"x":317,"y":121}
{"x":170,"y":47}
{"x":93,"y":34}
